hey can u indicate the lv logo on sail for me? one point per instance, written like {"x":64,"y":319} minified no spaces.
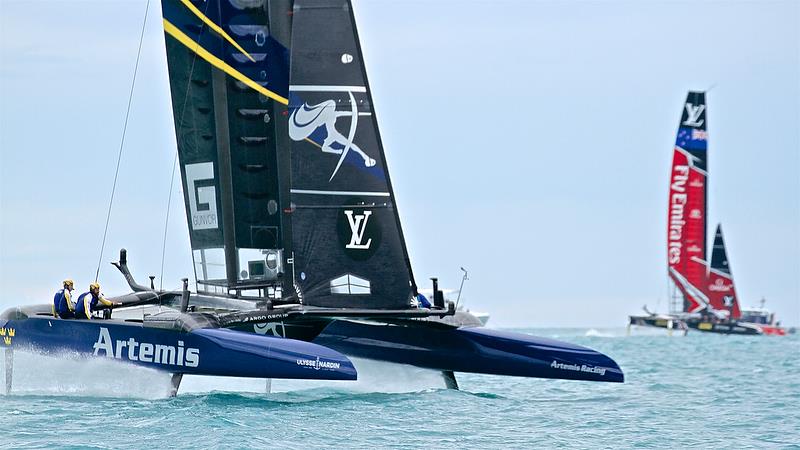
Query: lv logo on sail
{"x":358,"y":224}
{"x":693,"y":113}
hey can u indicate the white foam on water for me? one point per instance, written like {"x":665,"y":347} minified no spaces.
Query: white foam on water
{"x":653,"y":331}
{"x":592,"y":332}
{"x":68,"y":374}
{"x":373,"y":376}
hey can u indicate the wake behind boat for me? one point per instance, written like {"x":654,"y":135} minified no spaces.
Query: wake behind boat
{"x":704,"y":296}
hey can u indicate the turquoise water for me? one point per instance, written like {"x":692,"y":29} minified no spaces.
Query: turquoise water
{"x":699,"y":390}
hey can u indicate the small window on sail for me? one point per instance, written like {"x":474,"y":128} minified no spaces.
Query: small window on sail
{"x":247,"y":4}
{"x":350,"y":285}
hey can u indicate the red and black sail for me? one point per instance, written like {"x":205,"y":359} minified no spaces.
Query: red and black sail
{"x":719,"y":283}
{"x":686,"y":219}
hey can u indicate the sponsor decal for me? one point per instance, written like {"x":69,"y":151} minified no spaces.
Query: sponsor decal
{"x":271,"y":329}
{"x":266,"y":317}
{"x":202,"y":196}
{"x":297,"y":288}
{"x":677,"y":204}
{"x":693,"y":113}
{"x":318,"y":364}
{"x":699,"y":135}
{"x":695,"y":214}
{"x":358,"y":224}
{"x":578,"y":368}
{"x":359,"y":230}
{"x":728,"y":300}
{"x":307,"y":119}
{"x":132,"y":350}
{"x":693,"y":249}
{"x":705,"y":326}
{"x":719,"y":285}
{"x":696,"y":183}
{"x":8,"y":335}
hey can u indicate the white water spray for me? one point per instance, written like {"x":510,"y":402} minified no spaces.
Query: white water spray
{"x":68,"y":374}
{"x":71,"y":375}
{"x":373,"y":376}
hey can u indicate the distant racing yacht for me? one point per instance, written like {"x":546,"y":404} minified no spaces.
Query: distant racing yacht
{"x":705,"y":295}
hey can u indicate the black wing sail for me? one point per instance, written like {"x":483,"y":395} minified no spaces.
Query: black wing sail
{"x":229,"y":67}
{"x":719,"y":256}
{"x":348,"y":245}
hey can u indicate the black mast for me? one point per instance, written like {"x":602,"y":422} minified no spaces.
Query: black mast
{"x":225,"y":175}
{"x":280,"y":20}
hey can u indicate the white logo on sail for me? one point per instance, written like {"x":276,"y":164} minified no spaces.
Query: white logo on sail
{"x":204,"y":197}
{"x":693,"y":112}
{"x":719,"y":286}
{"x":308,"y":118}
{"x":728,"y":300}
{"x":270,"y":328}
{"x":358,"y":224}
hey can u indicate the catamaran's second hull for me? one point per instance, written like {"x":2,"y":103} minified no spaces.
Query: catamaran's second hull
{"x":677,"y":323}
{"x":432,"y":345}
{"x":658,"y":321}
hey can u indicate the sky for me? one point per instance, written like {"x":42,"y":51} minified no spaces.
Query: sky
{"x":529,"y":142}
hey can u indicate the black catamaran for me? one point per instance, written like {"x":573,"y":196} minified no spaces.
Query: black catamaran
{"x":292,"y":218}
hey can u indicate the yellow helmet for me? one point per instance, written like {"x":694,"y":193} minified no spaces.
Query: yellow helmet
{"x":94,"y":286}
{"x":68,"y":282}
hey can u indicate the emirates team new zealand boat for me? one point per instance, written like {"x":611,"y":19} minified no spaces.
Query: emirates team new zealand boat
{"x":298,"y":249}
{"x":705,"y":293}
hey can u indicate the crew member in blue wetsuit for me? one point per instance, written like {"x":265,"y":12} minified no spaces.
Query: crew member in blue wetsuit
{"x":63,"y":306}
{"x":88,"y":302}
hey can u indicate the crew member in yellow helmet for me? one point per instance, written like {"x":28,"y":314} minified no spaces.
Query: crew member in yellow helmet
{"x":88,"y":302}
{"x":63,"y":306}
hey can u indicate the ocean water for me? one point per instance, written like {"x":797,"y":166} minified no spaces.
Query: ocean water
{"x":681,"y":391}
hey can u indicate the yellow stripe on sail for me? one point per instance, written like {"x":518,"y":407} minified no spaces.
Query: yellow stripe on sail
{"x":215,"y":27}
{"x":173,"y":31}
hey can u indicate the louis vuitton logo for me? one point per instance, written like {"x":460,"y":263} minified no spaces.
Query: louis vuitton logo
{"x":358,"y":225}
{"x":693,"y":113}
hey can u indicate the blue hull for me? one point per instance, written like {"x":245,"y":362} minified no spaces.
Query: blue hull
{"x":470,"y":349}
{"x":207,"y":351}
